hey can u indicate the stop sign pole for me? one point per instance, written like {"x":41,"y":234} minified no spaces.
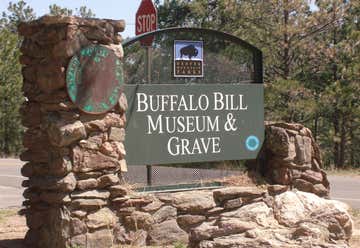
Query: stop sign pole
{"x":146,"y":21}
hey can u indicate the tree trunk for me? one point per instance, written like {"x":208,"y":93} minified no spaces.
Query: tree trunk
{"x":336,"y":140}
{"x":342,"y":142}
{"x":286,"y":54}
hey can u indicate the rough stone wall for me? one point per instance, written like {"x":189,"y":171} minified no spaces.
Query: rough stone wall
{"x":75,"y":195}
{"x":230,"y":217}
{"x":291,"y":156}
{"x":74,"y":160}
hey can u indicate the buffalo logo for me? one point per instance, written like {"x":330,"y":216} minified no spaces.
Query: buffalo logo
{"x":189,"y":51}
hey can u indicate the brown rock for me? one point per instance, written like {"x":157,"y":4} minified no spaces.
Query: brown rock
{"x":235,"y":192}
{"x":55,"y":97}
{"x":154,"y":206}
{"x":119,"y":26}
{"x":120,"y":200}
{"x":90,"y":183}
{"x":67,"y":48}
{"x":139,"y":220}
{"x":312,"y":176}
{"x":137,"y":238}
{"x":120,"y":234}
{"x":50,"y":77}
{"x":102,"y":122}
{"x":28,"y":29}
{"x":88,"y":204}
{"x":100,"y":238}
{"x":88,"y":160}
{"x":94,"y":141}
{"x":167,"y":233}
{"x":303,"y":185}
{"x":188,"y":221}
{"x":108,"y":180}
{"x":55,"y":197}
{"x":122,"y":105}
{"x":232,"y":226}
{"x":119,"y":148}
{"x":78,"y":241}
{"x":195,"y":202}
{"x":205,"y":231}
{"x":277,"y":140}
{"x":61,"y":134}
{"x":257,"y":212}
{"x":233,"y":203}
{"x":65,"y":184}
{"x":165,"y":213}
{"x":138,"y":202}
{"x":320,"y":190}
{"x":281,"y":176}
{"x":77,"y":227}
{"x":109,"y":150}
{"x":79,"y":214}
{"x":88,"y":175}
{"x":92,"y":194}
{"x":118,"y":190}
{"x":30,"y":114}
{"x":101,"y":218}
{"x":277,"y":189}
{"x":117,"y":49}
{"x":58,"y":19}
{"x":97,"y":33}
{"x":303,"y":150}
{"x":35,"y":219}
{"x":116,"y":134}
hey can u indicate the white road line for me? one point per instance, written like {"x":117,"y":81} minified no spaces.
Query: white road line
{"x":9,"y":187}
{"x":11,"y":176}
{"x":345,"y":199}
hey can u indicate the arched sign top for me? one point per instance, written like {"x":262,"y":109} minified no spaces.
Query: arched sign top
{"x":195,"y":95}
{"x":257,"y":60}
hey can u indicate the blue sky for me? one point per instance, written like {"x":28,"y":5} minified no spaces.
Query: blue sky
{"x":112,"y":9}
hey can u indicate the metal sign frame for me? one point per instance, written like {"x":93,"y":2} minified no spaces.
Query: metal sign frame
{"x":257,"y":54}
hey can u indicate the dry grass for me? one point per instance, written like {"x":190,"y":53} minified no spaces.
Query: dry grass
{"x":5,"y":213}
{"x":344,"y":172}
{"x":247,"y":178}
{"x":12,"y":228}
{"x":355,"y":240}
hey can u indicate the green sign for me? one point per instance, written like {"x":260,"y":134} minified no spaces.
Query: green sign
{"x":94,"y":79}
{"x":193,"y":123}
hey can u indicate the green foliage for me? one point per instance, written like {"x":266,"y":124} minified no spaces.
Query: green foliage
{"x":17,"y":12}
{"x":83,"y":11}
{"x":286,"y":101}
{"x":10,"y":93}
{"x":11,"y":97}
{"x":312,"y":61}
{"x":179,"y":245}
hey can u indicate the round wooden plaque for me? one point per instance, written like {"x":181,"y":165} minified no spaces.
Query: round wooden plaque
{"x":94,"y":79}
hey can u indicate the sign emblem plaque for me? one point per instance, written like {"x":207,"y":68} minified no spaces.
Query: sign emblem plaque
{"x":188,"y":58}
{"x":94,"y":79}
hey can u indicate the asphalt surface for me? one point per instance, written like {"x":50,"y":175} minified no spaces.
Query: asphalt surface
{"x":343,"y":188}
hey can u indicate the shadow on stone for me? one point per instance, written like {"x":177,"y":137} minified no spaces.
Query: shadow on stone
{"x":12,"y":243}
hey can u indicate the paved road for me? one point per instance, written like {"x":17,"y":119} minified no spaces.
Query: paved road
{"x":343,"y":188}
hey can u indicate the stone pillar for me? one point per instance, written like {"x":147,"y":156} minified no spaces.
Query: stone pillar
{"x":74,"y":160}
{"x":291,"y":156}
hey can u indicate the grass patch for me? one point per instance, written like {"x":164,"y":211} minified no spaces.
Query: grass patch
{"x":344,"y":172}
{"x":355,"y":240}
{"x":5,"y":213}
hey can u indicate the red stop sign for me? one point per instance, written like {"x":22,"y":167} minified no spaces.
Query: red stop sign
{"x":146,"y":21}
